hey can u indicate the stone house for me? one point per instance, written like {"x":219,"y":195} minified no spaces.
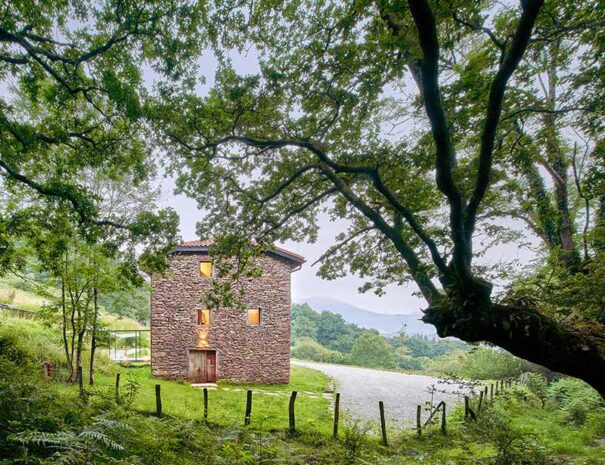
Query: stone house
{"x":251,"y":344}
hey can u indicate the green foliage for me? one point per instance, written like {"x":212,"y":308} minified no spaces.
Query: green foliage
{"x":335,"y":333}
{"x":482,"y":363}
{"x":406,"y":361}
{"x":423,"y":346}
{"x":536,"y":383}
{"x":574,"y":399}
{"x":309,"y":349}
{"x":372,"y":350}
{"x":513,"y":445}
{"x":327,"y":337}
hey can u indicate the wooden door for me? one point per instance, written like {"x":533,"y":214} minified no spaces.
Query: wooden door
{"x":202,"y":366}
{"x":211,"y":366}
{"x":197,"y":366}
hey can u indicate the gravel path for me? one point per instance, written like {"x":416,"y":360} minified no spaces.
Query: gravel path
{"x":361,"y":389}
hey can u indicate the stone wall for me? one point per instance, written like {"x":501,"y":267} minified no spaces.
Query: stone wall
{"x":245,"y":353}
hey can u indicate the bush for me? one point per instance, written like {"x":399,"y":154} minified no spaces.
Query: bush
{"x":372,"y":350}
{"x":308,"y":349}
{"x":483,"y":363}
{"x":536,"y":383}
{"x":339,"y":358}
{"x":513,"y":446}
{"x":407,"y":362}
{"x":13,"y":349}
{"x":575,"y":400}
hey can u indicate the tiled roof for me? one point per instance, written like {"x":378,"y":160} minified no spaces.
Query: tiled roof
{"x":197,"y":243}
{"x":205,"y":243}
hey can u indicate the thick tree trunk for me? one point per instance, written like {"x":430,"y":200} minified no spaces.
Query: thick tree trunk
{"x":528,"y":334}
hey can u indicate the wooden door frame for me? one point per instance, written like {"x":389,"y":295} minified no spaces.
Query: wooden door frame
{"x":205,"y":350}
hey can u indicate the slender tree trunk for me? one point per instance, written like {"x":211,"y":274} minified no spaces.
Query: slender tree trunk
{"x":559,"y":165}
{"x":599,"y":230}
{"x":68,"y":356}
{"x":93,"y":341}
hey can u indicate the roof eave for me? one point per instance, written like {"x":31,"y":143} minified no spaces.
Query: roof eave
{"x":280,"y":253}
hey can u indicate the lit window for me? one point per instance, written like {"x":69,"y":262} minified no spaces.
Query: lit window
{"x":206,"y":269}
{"x":203,"y":317}
{"x":254,"y":316}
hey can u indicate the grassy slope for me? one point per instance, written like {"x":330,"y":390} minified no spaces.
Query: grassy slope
{"x":11,"y":293}
{"x":20,"y":298}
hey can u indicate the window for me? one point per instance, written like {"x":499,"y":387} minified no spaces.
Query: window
{"x":253,"y":316}
{"x":206,"y":269}
{"x":203,"y":317}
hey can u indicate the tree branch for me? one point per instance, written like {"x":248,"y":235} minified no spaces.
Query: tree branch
{"x":445,"y":156}
{"x":531,"y":8}
{"x":370,"y":172}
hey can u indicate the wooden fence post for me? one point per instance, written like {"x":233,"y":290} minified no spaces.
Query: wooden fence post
{"x":443,"y":430}
{"x":465,"y":407}
{"x":419,"y":420}
{"x":291,"y":417}
{"x":336,"y":414}
{"x":248,"y":408}
{"x":117,"y":388}
{"x":480,"y":403}
{"x":491,"y":393}
{"x":206,"y":405}
{"x":158,"y":400}
{"x":383,"y":425}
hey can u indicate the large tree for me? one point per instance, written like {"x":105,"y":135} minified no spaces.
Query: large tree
{"x":411,"y":121}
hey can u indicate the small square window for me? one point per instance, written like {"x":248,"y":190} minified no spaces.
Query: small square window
{"x":203,"y":317}
{"x":253,"y":316}
{"x":206,"y":269}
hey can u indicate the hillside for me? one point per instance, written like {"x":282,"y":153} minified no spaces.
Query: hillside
{"x":22,"y":295}
{"x":386,"y":324}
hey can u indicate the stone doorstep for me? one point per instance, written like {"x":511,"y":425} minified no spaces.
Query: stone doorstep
{"x":204,"y":385}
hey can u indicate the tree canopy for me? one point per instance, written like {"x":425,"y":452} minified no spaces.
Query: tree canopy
{"x":72,"y":109}
{"x":427,"y":126}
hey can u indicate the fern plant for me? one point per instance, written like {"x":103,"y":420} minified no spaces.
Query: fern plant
{"x":95,"y":441}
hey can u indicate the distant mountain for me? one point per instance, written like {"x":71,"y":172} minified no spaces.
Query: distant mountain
{"x":386,"y":324}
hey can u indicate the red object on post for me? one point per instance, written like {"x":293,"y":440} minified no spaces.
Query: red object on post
{"x":48,"y":369}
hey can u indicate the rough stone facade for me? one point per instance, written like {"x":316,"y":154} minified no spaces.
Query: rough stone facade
{"x":244,"y":353}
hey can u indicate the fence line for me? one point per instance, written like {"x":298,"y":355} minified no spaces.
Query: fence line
{"x":471,"y":412}
{"x":17,"y":312}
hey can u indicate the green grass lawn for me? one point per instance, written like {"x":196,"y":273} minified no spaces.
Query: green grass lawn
{"x":227,"y":402}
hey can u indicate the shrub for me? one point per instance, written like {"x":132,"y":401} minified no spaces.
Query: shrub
{"x":13,"y":349}
{"x":483,"y":363}
{"x":536,"y":383}
{"x":339,"y":358}
{"x":308,"y":349}
{"x":372,"y":350}
{"x":513,"y":446}
{"x":574,"y":398}
{"x":407,"y":362}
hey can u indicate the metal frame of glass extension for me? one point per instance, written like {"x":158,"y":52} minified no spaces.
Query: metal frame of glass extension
{"x":123,"y":334}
